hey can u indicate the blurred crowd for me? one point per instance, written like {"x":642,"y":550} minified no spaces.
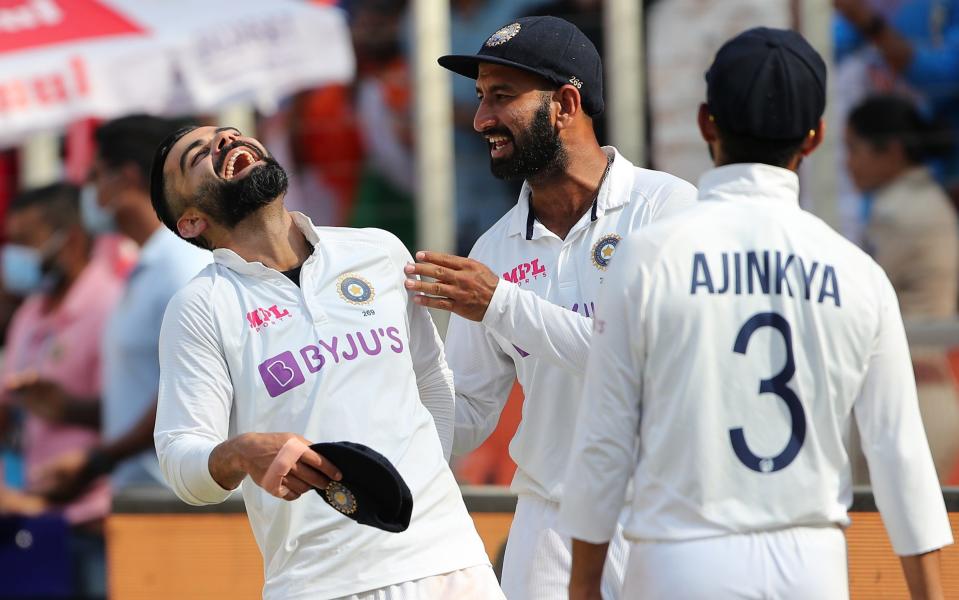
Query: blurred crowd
{"x":87,"y":269}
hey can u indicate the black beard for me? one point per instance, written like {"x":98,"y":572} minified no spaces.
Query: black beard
{"x":229,"y":202}
{"x":538,"y":151}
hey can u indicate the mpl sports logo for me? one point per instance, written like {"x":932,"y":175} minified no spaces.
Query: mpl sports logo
{"x":522,"y":272}
{"x":264,"y":317}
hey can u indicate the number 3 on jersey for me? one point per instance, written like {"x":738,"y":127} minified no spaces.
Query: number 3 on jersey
{"x":778,"y":385}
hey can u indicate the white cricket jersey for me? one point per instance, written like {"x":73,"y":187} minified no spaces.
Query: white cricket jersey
{"x":344,"y":356}
{"x":537,"y":327}
{"x":733,"y":348}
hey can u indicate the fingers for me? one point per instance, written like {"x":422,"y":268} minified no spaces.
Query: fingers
{"x":321,"y":464}
{"x":433,"y":288}
{"x":439,"y":258}
{"x":440,"y":303}
{"x":296,"y":485}
{"x":309,"y":475}
{"x":428,"y":270}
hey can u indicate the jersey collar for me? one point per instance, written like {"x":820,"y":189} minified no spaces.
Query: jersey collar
{"x":750,"y":182}
{"x":613,"y":193}
{"x":230,"y":259}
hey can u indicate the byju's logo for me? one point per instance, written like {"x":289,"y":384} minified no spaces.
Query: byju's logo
{"x":264,"y":317}
{"x":281,"y":374}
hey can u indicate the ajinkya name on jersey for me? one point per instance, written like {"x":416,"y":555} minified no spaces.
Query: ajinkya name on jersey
{"x":282,"y":372}
{"x":764,"y":272}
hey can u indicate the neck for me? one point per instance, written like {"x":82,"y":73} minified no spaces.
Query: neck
{"x":269,"y":236}
{"x":560,"y":198}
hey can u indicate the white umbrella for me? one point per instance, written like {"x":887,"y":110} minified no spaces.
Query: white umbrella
{"x":61,"y":60}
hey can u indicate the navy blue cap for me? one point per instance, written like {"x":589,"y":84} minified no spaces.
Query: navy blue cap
{"x":550,"y":47}
{"x":371,"y":492}
{"x":768,"y":84}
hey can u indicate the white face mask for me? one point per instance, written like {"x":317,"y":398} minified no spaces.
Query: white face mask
{"x":96,"y":219}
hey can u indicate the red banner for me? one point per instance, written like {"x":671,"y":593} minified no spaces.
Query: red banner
{"x":34,"y":23}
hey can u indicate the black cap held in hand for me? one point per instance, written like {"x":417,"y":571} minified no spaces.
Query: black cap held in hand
{"x":371,"y":492}
{"x":550,"y":47}
{"x":768,"y":84}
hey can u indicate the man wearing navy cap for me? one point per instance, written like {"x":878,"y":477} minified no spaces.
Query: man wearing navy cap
{"x":732,"y":351}
{"x":524,"y":301}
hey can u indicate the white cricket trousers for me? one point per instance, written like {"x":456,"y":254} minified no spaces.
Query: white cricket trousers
{"x":473,"y":583}
{"x":538,"y":557}
{"x":799,"y":563}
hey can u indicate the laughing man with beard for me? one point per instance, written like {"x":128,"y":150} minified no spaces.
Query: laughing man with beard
{"x":299,"y":334}
{"x":523,"y":301}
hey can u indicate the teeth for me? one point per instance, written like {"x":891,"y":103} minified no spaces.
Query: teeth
{"x":228,"y":173}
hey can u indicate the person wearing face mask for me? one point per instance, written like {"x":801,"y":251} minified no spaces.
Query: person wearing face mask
{"x":70,"y":288}
{"x":117,"y":199}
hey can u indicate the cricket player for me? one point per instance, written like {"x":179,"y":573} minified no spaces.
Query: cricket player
{"x":524,"y":301}
{"x":732,"y":350}
{"x":299,"y":334}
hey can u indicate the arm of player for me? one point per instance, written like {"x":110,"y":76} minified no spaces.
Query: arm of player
{"x":604,"y":453}
{"x":471,"y":290}
{"x":197,"y":457}
{"x":903,"y":476}
{"x":483,"y":376}
{"x":434,"y":379}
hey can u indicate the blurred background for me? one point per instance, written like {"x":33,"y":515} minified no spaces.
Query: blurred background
{"x":348,"y":96}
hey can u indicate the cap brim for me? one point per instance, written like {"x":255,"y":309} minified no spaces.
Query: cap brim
{"x":467,"y":65}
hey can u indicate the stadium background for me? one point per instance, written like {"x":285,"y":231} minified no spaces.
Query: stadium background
{"x":384,"y":140}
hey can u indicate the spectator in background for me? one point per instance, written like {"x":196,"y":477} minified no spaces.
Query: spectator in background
{"x":384,"y":196}
{"x":912,"y":231}
{"x":481,"y":199}
{"x":118,"y":199}
{"x":909,"y":45}
{"x":54,"y":340}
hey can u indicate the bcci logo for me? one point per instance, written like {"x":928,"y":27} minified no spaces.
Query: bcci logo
{"x":341,"y":498}
{"x":604,"y":249}
{"x":503,"y":35}
{"x":354,"y":289}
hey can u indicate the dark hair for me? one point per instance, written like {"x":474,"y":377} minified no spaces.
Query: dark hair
{"x":59,"y":204}
{"x":881,"y":120}
{"x":746,"y":149}
{"x":134,"y":139}
{"x":157,"y":181}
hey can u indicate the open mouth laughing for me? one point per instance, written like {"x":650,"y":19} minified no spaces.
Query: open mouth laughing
{"x":499,"y":145}
{"x":237,"y":160}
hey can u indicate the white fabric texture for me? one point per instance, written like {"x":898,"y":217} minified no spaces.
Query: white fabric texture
{"x":537,"y":327}
{"x":799,"y":563}
{"x":735,"y":345}
{"x":344,"y":356}
{"x":474,"y":583}
{"x":538,"y":557}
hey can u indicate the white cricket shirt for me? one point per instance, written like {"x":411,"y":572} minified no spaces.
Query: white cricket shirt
{"x":537,"y":327}
{"x":344,"y":356}
{"x":734,"y":345}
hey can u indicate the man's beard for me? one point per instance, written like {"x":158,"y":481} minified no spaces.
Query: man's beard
{"x":538,"y":151}
{"x":229,"y":202}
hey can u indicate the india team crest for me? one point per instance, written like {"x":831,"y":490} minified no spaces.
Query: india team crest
{"x":354,"y":289}
{"x":604,"y":249}
{"x":341,"y":498}
{"x":503,"y":35}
